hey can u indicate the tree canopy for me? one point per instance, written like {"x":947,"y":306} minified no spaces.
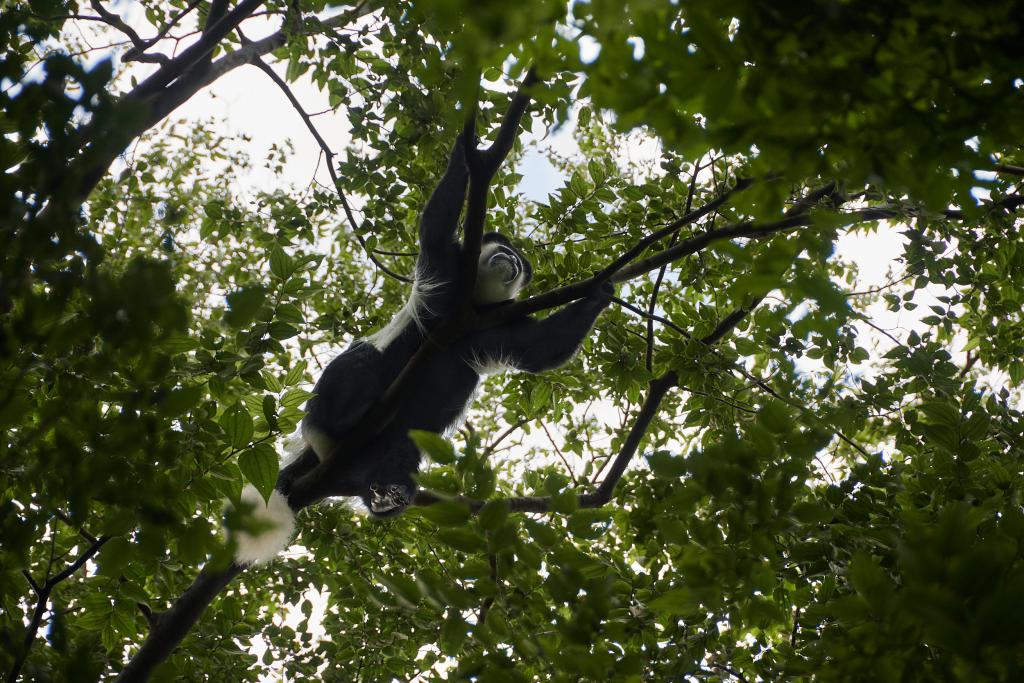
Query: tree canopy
{"x":755,"y":469}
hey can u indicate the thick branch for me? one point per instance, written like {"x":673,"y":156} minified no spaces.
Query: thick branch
{"x":104,"y":145}
{"x":172,"y":626}
{"x":1009,"y":169}
{"x":118,"y":23}
{"x":494,"y":155}
{"x":1010,"y":203}
{"x":612,"y":268}
{"x":810,"y":200}
{"x":658,"y":388}
{"x":197,"y":51}
{"x":730,"y":322}
{"x":745,"y":229}
{"x":603,"y":494}
{"x":135,"y":53}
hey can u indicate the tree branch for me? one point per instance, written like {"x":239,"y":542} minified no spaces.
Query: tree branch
{"x":102,"y":145}
{"x":135,"y":53}
{"x":494,"y":155}
{"x":730,"y":321}
{"x":1009,"y":169}
{"x":329,"y":155}
{"x":113,"y":19}
{"x":171,"y":627}
{"x":652,"y":304}
{"x":43,"y":593}
{"x":603,"y":494}
{"x":615,"y":266}
{"x":811,"y":199}
{"x":745,"y":229}
{"x":196,"y":52}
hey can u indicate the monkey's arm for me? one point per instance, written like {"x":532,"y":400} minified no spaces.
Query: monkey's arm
{"x":537,"y":345}
{"x":440,"y":218}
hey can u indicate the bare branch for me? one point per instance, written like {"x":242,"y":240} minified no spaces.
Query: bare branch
{"x":811,"y":199}
{"x":31,"y":581}
{"x":171,"y":627}
{"x":878,"y":329}
{"x":602,"y":495}
{"x":615,"y":266}
{"x":729,"y":322}
{"x":1010,"y":203}
{"x":135,"y":53}
{"x":197,"y":51}
{"x":329,"y":154}
{"x":104,"y":145}
{"x":113,"y":19}
{"x":651,"y":316}
{"x":1009,"y":169}
{"x":494,"y":155}
{"x":658,"y":388}
{"x":652,"y":304}
{"x":43,"y":593}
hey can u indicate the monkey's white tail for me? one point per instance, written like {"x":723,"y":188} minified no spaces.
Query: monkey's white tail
{"x":277,"y":522}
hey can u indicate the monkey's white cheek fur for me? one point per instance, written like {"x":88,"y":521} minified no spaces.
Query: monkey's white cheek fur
{"x":277,"y":522}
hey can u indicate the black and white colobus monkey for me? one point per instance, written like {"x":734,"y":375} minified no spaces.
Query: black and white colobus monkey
{"x":381,"y":472}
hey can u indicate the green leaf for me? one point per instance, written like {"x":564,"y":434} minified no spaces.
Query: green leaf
{"x":404,"y":588}
{"x":293,"y":398}
{"x":259,"y":464}
{"x":281,"y":264}
{"x":237,"y":425}
{"x":544,"y":535}
{"x":289,"y":313}
{"x":243,"y":304}
{"x":282,"y":330}
{"x":466,"y":540}
{"x":295,"y":374}
{"x":447,"y":513}
{"x":492,"y":515}
{"x":453,"y":633}
{"x":679,"y":601}
{"x":181,"y":400}
{"x":269,"y":410}
{"x":667,"y":465}
{"x":438,"y":449}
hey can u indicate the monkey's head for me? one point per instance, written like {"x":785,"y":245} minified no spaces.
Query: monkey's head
{"x":388,"y":500}
{"x":502,"y":272}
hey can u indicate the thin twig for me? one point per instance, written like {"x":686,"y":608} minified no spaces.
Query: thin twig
{"x":501,"y":437}
{"x":878,"y":329}
{"x":43,"y":593}
{"x":558,"y":451}
{"x":135,"y":53}
{"x":329,"y":154}
{"x":653,"y":302}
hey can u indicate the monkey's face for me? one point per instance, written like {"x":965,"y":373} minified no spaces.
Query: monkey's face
{"x":502,"y":270}
{"x":387,"y":501}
